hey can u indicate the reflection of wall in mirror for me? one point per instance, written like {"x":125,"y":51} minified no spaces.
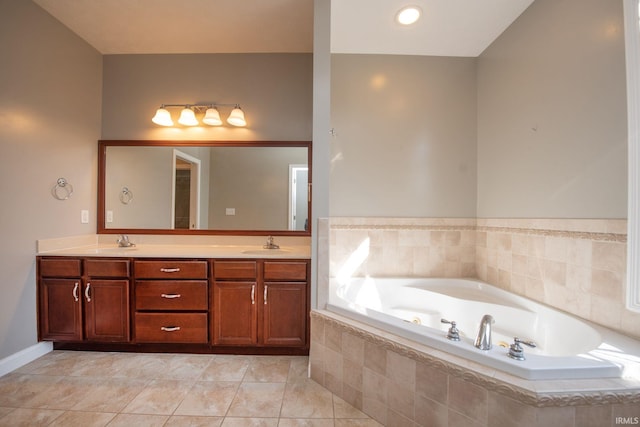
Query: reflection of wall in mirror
{"x":255,"y":182}
{"x":147,"y":172}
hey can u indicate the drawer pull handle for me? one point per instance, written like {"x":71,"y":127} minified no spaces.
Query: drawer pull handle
{"x":170,"y":328}
{"x":265,"y":294}
{"x":75,"y":291}
{"x":170,"y":296}
{"x":86,"y":292}
{"x":170,"y":270}
{"x":253,"y":294}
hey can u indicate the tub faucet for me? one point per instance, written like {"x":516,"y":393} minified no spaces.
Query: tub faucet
{"x":483,"y":340}
{"x":124,"y":242}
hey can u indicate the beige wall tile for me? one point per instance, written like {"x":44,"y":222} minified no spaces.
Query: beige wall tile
{"x":557,"y":417}
{"x":375,"y":358}
{"x":374,"y":386}
{"x":593,"y":416}
{"x":468,"y":399}
{"x":429,"y":413}
{"x":432,"y":383}
{"x":505,"y":412}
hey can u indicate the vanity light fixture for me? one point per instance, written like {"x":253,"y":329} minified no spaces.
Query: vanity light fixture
{"x":408,"y":15}
{"x":188,"y":115}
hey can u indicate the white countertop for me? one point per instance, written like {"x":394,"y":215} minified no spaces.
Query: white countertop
{"x":183,"y":251}
{"x":88,"y":246}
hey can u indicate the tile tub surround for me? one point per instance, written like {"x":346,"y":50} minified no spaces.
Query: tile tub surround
{"x":402,"y":383}
{"x":67,"y":388}
{"x":575,"y":265}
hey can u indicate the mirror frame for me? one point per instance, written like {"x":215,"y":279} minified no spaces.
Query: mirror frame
{"x":102,"y":159}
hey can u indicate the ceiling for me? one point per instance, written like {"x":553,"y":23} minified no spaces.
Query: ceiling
{"x":448,"y":27}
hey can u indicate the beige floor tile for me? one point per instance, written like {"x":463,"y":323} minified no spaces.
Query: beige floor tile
{"x":299,"y":369}
{"x":5,"y":411}
{"x":249,"y":422}
{"x":59,"y":392}
{"x":226,"y":368}
{"x":208,"y":398}
{"x":307,"y":399}
{"x":138,"y":420}
{"x":342,"y":409}
{"x":83,"y":419}
{"x":185,"y":367}
{"x":30,"y":417}
{"x":193,"y":421}
{"x":305,"y":422}
{"x":110,"y":395}
{"x":356,"y":423}
{"x":159,"y":397}
{"x":270,"y":369}
{"x":17,"y":389}
{"x":257,"y":400}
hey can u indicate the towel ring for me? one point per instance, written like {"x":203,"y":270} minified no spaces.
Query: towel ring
{"x":62,"y":190}
{"x":126,"y":196}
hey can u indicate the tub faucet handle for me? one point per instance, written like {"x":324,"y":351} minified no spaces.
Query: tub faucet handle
{"x":453,"y":333}
{"x":516,"y":351}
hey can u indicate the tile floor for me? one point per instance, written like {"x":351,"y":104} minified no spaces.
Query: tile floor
{"x":66,"y":388}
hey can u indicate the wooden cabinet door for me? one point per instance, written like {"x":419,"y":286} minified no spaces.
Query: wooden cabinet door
{"x":107,"y":310}
{"x":234,"y":319}
{"x":60,"y":309}
{"x":284,"y":313}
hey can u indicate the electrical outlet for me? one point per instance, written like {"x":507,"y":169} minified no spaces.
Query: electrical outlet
{"x":109,"y":216}
{"x":230,"y":211}
{"x":84,"y":216}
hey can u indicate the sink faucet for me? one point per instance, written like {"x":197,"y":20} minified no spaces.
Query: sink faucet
{"x":270,"y":244}
{"x":483,"y":340}
{"x":124,"y":242}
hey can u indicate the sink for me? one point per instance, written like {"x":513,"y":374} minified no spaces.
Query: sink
{"x":266,"y":251}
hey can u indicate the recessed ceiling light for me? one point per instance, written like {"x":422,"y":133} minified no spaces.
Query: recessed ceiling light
{"x":408,"y":15}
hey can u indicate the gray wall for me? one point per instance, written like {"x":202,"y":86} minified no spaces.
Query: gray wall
{"x":552,"y":136}
{"x":50,"y":95}
{"x":405,"y":136}
{"x":274,"y":90}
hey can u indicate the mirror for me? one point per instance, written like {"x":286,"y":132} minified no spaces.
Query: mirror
{"x":204,"y":187}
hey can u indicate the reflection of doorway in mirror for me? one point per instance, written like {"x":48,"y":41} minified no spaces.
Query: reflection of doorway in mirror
{"x":298,"y":197}
{"x":186,"y":191}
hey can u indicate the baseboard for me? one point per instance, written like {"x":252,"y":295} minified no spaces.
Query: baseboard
{"x":21,"y":358}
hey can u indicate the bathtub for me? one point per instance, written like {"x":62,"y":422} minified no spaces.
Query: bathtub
{"x":566,"y":347}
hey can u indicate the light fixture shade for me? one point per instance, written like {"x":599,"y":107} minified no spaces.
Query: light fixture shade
{"x":162,"y":117}
{"x":188,"y":117}
{"x":236,"y":118}
{"x":212,"y":117}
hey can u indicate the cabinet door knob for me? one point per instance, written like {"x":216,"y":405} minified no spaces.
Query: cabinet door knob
{"x":170,"y":296}
{"x":86,"y":292}
{"x":75,"y":291}
{"x":170,"y":328}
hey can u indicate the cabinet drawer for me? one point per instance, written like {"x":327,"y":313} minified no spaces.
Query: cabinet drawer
{"x":288,"y":270}
{"x":171,"y":327}
{"x":235,"y":269}
{"x":168,"y":269}
{"x":60,"y":267}
{"x":171,"y":295}
{"x":107,"y":267}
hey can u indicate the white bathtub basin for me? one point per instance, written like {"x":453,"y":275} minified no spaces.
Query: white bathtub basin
{"x":567,"y":347}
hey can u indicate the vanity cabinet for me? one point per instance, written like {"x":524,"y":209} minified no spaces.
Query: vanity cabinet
{"x":263,"y":303}
{"x":244,"y":305}
{"x":83,"y":299}
{"x":171,"y":301}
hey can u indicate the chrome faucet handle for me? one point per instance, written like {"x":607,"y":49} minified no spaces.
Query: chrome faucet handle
{"x":453,"y":333}
{"x":123,"y":241}
{"x":270,"y":244}
{"x":516,"y":351}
